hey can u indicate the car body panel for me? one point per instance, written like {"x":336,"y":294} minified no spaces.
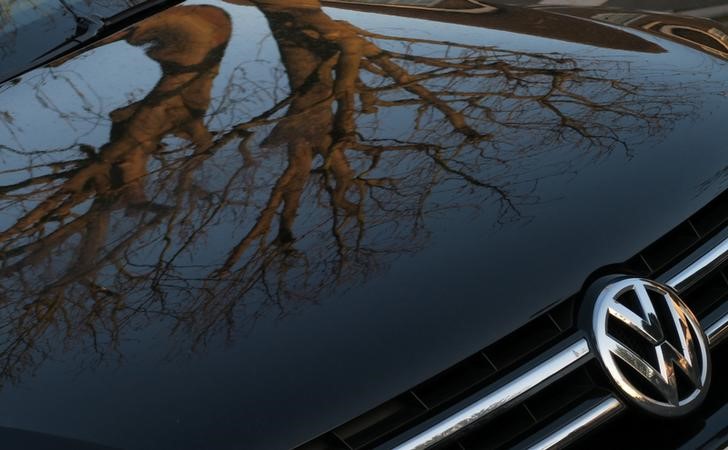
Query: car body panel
{"x":207,"y":244}
{"x":29,"y":30}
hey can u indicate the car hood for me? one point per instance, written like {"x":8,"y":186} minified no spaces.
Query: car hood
{"x":234,"y":225}
{"x":33,"y":32}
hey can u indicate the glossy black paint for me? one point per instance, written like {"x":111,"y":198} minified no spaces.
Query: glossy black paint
{"x":29,"y":30}
{"x":206,"y":244}
{"x":36,"y":32}
{"x":103,"y":9}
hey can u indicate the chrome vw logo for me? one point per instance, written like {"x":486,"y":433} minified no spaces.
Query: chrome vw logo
{"x":652,"y":346}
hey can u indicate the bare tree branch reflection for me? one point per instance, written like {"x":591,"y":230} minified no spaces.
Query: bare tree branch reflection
{"x":315,"y":192}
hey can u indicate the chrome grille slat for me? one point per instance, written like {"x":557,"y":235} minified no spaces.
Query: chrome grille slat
{"x":521,"y":387}
{"x":696,"y":267}
{"x":581,"y":424}
{"x":702,"y":265}
{"x":717,"y":331}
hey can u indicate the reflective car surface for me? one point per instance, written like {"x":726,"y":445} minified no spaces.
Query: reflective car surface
{"x":246,"y":224}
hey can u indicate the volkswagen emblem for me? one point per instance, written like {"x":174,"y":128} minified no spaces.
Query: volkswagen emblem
{"x":651,"y":345}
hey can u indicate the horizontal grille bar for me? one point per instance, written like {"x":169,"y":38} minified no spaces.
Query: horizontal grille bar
{"x":716,"y":328}
{"x":717,"y":331}
{"x":518,"y":389}
{"x":700,"y":268}
{"x":602,"y":412}
{"x":577,"y":427}
{"x":535,"y":379}
{"x":691,"y":258}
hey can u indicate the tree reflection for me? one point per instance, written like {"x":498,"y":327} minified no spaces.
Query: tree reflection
{"x":314,"y":193}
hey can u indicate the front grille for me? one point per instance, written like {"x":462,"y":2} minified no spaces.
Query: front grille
{"x":524,"y":419}
{"x":681,"y":240}
{"x":649,"y":433}
{"x":539,"y":411}
{"x":452,"y":385}
{"x":709,"y":294}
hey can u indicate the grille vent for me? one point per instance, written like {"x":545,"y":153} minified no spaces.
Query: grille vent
{"x":708,"y":294}
{"x":649,"y":433}
{"x":483,"y":368}
{"x":522,"y":420}
{"x":686,"y":237}
{"x":452,"y":385}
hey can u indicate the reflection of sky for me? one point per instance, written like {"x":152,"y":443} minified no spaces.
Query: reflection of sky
{"x":252,"y":80}
{"x":250,"y":41}
{"x":46,"y":103}
{"x":30,"y":27}
{"x":454,"y":287}
{"x":101,"y":8}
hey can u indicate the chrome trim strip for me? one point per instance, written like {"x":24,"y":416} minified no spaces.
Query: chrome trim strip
{"x":579,"y":426}
{"x":515,"y":390}
{"x":717,"y":331}
{"x":700,"y":268}
{"x":543,"y":374}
